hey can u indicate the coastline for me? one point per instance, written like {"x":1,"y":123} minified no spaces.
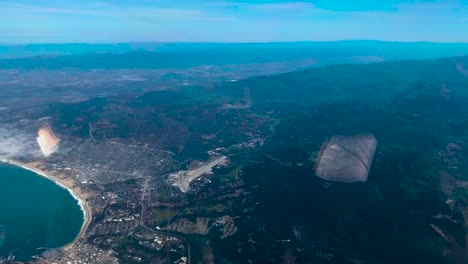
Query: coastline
{"x":85,"y":208}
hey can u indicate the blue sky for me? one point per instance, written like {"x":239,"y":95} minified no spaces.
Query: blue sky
{"x":48,"y":21}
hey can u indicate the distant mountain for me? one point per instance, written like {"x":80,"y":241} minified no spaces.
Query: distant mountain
{"x":366,"y":83}
{"x":176,"y":55}
{"x":149,"y":60}
{"x":31,"y":50}
{"x":359,"y":48}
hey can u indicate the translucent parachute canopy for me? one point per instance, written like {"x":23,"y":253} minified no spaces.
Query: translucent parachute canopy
{"x":346,"y":158}
{"x":47,"y":141}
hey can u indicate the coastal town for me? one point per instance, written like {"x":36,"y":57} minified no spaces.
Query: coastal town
{"x":139,"y":194}
{"x":117,"y":186}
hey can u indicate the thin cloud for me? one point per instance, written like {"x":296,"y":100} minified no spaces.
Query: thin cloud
{"x":287,"y":6}
{"x":16,"y":144}
{"x":23,"y":8}
{"x":425,"y":6}
{"x":217,"y":20}
{"x":110,"y":11}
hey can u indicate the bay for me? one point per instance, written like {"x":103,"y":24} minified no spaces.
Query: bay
{"x":36,"y":214}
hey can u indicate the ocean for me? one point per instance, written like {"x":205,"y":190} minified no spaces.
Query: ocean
{"x":36,"y":214}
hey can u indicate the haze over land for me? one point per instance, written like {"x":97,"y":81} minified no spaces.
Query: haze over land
{"x":198,"y":131}
{"x":226,"y":53}
{"x":193,"y":148}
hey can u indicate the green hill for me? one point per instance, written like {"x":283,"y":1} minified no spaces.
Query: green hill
{"x":355,"y":82}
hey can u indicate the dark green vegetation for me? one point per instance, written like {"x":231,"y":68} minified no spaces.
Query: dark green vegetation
{"x":411,"y":210}
{"x":369,"y":83}
{"x":36,"y":214}
{"x":416,"y":110}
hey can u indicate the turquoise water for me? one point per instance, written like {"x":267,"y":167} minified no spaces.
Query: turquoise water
{"x":36,"y":214}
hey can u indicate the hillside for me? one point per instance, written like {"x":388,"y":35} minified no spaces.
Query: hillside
{"x":275,"y":131}
{"x":356,"y":82}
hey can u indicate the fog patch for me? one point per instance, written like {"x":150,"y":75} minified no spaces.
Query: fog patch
{"x":17,"y":144}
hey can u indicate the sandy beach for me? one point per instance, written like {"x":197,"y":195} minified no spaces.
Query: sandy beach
{"x":67,"y":185}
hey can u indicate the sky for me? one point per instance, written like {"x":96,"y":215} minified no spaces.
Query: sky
{"x":110,"y":21}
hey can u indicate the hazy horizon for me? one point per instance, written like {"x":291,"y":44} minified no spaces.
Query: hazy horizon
{"x":121,"y":21}
{"x":227,"y":42}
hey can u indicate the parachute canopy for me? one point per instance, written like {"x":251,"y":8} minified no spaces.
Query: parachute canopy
{"x":47,"y":141}
{"x":346,"y":158}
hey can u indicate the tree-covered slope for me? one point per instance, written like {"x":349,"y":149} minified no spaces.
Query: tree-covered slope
{"x":357,"y":82}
